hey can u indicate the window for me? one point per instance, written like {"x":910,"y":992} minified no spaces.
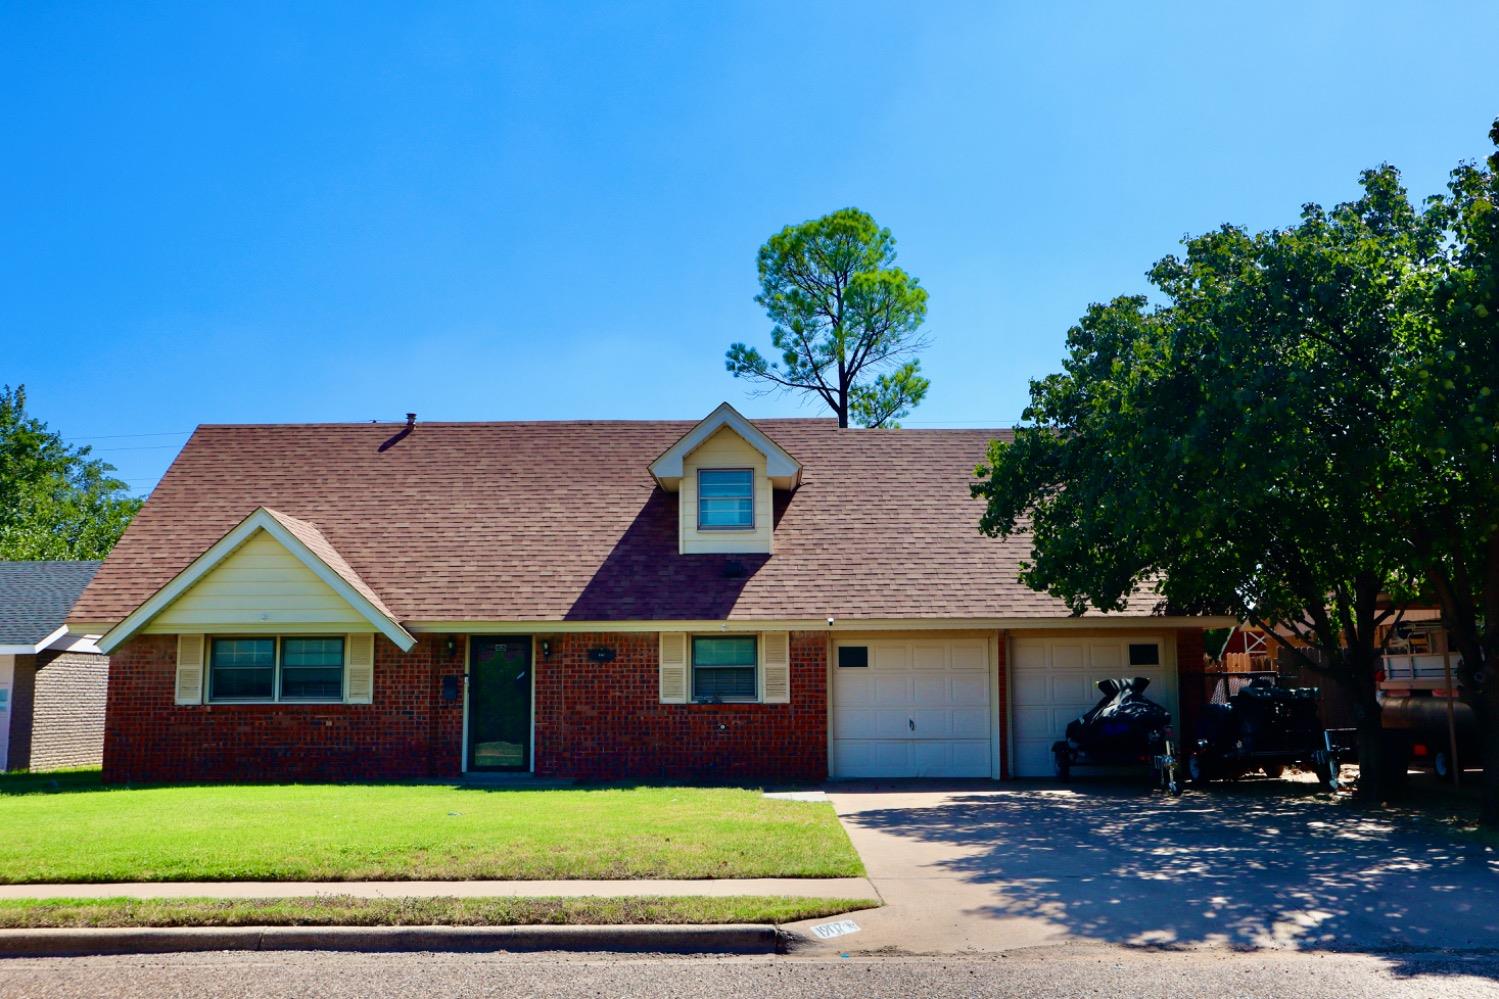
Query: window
{"x":1144,"y":654}
{"x":244,"y":669}
{"x":312,"y":669}
{"x":725,"y":499}
{"x":276,"y":669}
{"x":723,"y":669}
{"x":850,"y":656}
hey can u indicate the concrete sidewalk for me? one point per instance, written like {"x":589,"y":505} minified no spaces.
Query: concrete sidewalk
{"x":795,"y":887}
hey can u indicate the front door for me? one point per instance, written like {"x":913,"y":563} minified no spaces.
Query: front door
{"x":499,"y":703}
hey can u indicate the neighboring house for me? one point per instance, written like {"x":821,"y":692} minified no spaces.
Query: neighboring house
{"x":777,"y":599}
{"x":51,"y":683}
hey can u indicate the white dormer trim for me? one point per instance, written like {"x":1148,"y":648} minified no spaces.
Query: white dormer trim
{"x":261,"y":520}
{"x":784,"y":471}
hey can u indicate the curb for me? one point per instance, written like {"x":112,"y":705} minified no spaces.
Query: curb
{"x":732,"y":938}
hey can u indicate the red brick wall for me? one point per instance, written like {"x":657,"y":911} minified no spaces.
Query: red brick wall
{"x":602,"y":721}
{"x":408,"y":730}
{"x":1191,"y":684}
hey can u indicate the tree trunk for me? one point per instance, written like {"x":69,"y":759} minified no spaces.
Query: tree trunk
{"x":1373,"y":750}
{"x":1486,"y":711}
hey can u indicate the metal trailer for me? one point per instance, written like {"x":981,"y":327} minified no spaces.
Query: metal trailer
{"x":1262,"y":726}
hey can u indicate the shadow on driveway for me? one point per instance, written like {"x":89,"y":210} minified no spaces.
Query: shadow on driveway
{"x":1267,"y":864}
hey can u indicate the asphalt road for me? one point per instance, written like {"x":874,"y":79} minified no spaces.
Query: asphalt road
{"x":1085,"y":970}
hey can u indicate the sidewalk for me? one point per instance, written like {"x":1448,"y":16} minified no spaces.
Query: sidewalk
{"x":794,"y":887}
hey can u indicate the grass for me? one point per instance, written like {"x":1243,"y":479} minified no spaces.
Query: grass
{"x":69,"y":828}
{"x":344,"y":910}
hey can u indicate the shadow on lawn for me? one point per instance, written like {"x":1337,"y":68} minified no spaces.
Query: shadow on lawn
{"x":1253,"y":865}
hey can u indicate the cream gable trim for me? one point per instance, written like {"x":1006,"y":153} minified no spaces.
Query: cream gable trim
{"x":261,"y":520}
{"x":784,"y":471}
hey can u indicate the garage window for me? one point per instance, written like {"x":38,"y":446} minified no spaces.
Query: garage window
{"x":853,"y":656}
{"x":1144,"y":654}
{"x":723,"y":668}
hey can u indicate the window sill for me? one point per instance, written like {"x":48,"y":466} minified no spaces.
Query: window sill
{"x":745,"y":529}
{"x":271,"y":704}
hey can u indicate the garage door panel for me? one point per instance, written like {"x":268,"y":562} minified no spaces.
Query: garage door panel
{"x":929,"y":656}
{"x":855,"y":723}
{"x":892,"y":690}
{"x":1072,"y":688}
{"x":921,"y":709}
{"x":1109,"y":657}
{"x":970,"y":656}
{"x":855,"y":688}
{"x":892,"y":724}
{"x":932,"y":723}
{"x":1032,"y":687}
{"x":1068,"y":655}
{"x":970,"y":723}
{"x":930,"y":690}
{"x":1056,"y":681}
{"x":1029,"y":653}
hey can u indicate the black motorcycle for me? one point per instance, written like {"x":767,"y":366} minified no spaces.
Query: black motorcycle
{"x":1123,"y":729}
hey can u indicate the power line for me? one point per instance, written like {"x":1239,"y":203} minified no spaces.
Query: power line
{"x":110,"y":437}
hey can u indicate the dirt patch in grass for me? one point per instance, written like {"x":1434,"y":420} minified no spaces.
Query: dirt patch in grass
{"x":344,"y":910}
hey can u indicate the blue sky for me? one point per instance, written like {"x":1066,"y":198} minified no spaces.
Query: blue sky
{"x":303,"y":212}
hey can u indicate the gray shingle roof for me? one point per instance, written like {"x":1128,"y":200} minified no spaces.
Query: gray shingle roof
{"x":35,"y":597}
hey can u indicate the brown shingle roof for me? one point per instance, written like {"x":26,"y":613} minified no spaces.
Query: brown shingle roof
{"x":316,"y":543}
{"x":562,"y":521}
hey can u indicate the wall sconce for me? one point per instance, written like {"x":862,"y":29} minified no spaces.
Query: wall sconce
{"x":452,"y":646}
{"x":546,"y":649}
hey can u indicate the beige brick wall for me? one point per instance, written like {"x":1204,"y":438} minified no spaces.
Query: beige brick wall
{"x":68,"y":718}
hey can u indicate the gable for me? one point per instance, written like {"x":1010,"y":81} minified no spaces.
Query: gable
{"x":668,"y":468}
{"x":260,"y":584}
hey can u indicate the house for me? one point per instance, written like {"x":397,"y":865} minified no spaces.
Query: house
{"x":727,"y":599}
{"x":51,"y":683}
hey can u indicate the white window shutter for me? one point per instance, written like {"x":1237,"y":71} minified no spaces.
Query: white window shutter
{"x":189,"y":669}
{"x":359,"y":669}
{"x":775,"y":667}
{"x":673,"y":668}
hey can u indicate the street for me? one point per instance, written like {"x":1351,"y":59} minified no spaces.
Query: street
{"x":1069,"y":970}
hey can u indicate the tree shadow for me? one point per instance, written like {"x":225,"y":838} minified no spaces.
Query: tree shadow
{"x":1246,"y":866}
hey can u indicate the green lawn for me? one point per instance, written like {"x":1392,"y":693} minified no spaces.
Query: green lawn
{"x":343,"y":910}
{"x":70,"y":829}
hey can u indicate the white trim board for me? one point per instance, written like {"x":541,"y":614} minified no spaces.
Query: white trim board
{"x":554,"y":627}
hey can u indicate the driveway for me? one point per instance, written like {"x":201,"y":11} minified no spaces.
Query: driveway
{"x":1254,"y":865}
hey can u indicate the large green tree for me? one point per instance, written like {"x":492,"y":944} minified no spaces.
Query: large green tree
{"x":846,"y":320}
{"x":1447,"y":427}
{"x":55,"y":501}
{"x":1228,"y":450}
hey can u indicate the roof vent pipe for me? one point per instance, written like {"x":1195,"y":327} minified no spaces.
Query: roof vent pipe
{"x":410,"y":420}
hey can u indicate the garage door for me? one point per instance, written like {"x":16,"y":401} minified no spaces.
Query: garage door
{"x":1055,"y":679}
{"x":912,"y":709}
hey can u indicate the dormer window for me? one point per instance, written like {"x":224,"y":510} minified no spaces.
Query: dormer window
{"x":726,"y":499}
{"x":725,"y":472}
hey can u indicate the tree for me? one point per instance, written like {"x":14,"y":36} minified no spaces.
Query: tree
{"x":846,"y":320}
{"x":1228,"y":451}
{"x":55,"y":501}
{"x":1448,"y":435}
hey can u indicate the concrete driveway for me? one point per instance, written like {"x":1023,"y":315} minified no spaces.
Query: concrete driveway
{"x":1263,"y":864}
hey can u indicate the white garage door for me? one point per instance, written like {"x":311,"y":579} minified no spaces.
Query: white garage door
{"x":1054,"y":680}
{"x":912,"y":709}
